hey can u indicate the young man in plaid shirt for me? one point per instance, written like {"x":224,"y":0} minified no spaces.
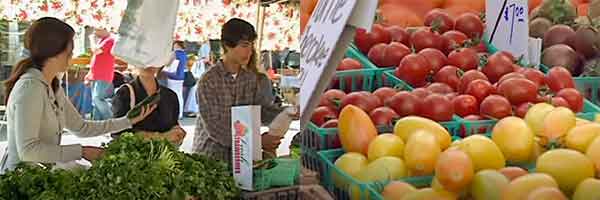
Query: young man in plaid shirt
{"x":233,"y":81}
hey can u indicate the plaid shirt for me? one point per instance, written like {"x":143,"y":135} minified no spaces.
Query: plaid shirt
{"x":218,"y":91}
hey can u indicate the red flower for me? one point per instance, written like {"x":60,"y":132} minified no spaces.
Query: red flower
{"x":23,"y":15}
{"x":56,"y":5}
{"x":94,"y":4}
{"x":44,"y":7}
{"x":98,"y":16}
{"x":198,"y":30}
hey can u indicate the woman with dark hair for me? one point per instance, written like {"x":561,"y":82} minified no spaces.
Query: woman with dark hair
{"x":233,"y":81}
{"x":37,"y":108}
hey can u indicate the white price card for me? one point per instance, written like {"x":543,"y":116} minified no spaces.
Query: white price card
{"x":507,"y":25}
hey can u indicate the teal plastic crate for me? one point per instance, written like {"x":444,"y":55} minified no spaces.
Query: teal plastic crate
{"x":285,"y":173}
{"x":589,"y":88}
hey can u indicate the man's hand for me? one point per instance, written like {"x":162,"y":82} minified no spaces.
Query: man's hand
{"x":91,"y":153}
{"x":270,"y":142}
{"x":176,"y":135}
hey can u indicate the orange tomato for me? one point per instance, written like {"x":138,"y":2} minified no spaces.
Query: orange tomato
{"x":304,"y":17}
{"x":420,"y":7}
{"x":534,"y":4}
{"x":308,"y":6}
{"x":456,"y":11}
{"x":475,"y":5}
{"x":400,"y":16}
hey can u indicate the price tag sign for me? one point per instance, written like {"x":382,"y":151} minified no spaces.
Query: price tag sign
{"x":324,"y":43}
{"x":507,"y":25}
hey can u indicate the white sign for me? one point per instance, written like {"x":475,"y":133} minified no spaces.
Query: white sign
{"x":508,"y":26}
{"x":247,"y":147}
{"x":324,"y":43}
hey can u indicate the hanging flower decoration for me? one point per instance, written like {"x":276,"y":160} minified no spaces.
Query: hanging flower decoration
{"x":197,"y":20}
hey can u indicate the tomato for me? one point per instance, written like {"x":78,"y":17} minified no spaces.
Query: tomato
{"x":518,"y":90}
{"x":440,"y":88}
{"x":384,"y":93}
{"x":465,"y":105}
{"x":399,"y":34}
{"x":495,"y":106}
{"x":421,"y":92}
{"x":560,"y":102}
{"x":454,"y":39}
{"x":404,"y":103}
{"x":463,"y":129}
{"x":559,"y":78}
{"x":533,"y":75}
{"x":465,"y":58}
{"x":510,"y":76}
{"x":479,"y":89}
{"x":373,"y":99}
{"x":470,"y":24}
{"x":507,"y":55}
{"x":497,"y":66}
{"x":522,"y":109}
{"x":573,"y":97}
{"x":323,"y":114}
{"x":469,"y":77}
{"x":424,"y":38}
{"x":413,"y":69}
{"x":480,"y":48}
{"x":451,"y":96}
{"x":388,"y":55}
{"x":331,"y":98}
{"x":441,"y":18}
{"x":364,"y":41}
{"x":332,"y":123}
{"x":437,"y":107}
{"x":348,"y":64}
{"x":436,"y":58}
{"x":361,"y":100}
{"x":449,"y":75}
{"x":383,"y":116}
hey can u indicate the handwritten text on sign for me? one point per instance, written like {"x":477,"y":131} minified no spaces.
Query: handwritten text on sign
{"x":507,"y":26}
{"x":318,"y":42}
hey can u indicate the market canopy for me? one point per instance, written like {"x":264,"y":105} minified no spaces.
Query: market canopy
{"x":198,"y":20}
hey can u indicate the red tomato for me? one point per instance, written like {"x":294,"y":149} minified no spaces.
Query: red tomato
{"x":421,"y":93}
{"x":373,"y":100}
{"x":451,"y":96}
{"x":518,"y":90}
{"x":437,"y":107}
{"x":388,"y":55}
{"x":332,"y":123}
{"x":404,"y":103}
{"x":510,"y":76}
{"x":479,"y":89}
{"x":465,"y":105}
{"x":496,"y":107}
{"x":522,"y":109}
{"x":440,"y":88}
{"x":534,"y":75}
{"x":361,"y":100}
{"x":470,"y":24}
{"x":399,"y":34}
{"x":323,"y":114}
{"x":560,"y":102}
{"x":507,"y":55}
{"x":435,"y":57}
{"x":480,"y":48}
{"x":441,"y":18}
{"x":573,"y":97}
{"x":349,"y":64}
{"x":448,"y":75}
{"x":497,"y":66}
{"x":332,"y":98}
{"x":385,"y":93}
{"x":424,"y":38}
{"x":559,"y":78}
{"x":383,"y":116}
{"x":413,"y":69}
{"x":465,"y":59}
{"x":454,"y":39}
{"x":469,"y":77}
{"x":364,"y":41}
{"x":544,"y":99}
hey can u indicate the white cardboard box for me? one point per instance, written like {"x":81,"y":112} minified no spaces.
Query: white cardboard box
{"x":246,"y":144}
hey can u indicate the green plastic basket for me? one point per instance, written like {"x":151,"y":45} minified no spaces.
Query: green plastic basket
{"x":355,"y":54}
{"x":285,"y":173}
{"x":589,"y":88}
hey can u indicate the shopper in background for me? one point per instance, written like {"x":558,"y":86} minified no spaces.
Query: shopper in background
{"x":233,"y":81}
{"x":202,"y":65}
{"x":175,"y":78}
{"x":162,"y":122}
{"x":38,"y":109}
{"x":101,"y":74}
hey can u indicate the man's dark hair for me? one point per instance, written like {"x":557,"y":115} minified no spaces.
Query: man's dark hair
{"x":180,"y":43}
{"x":236,"y":30}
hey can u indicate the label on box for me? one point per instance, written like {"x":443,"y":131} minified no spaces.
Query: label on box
{"x":246,"y":144}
